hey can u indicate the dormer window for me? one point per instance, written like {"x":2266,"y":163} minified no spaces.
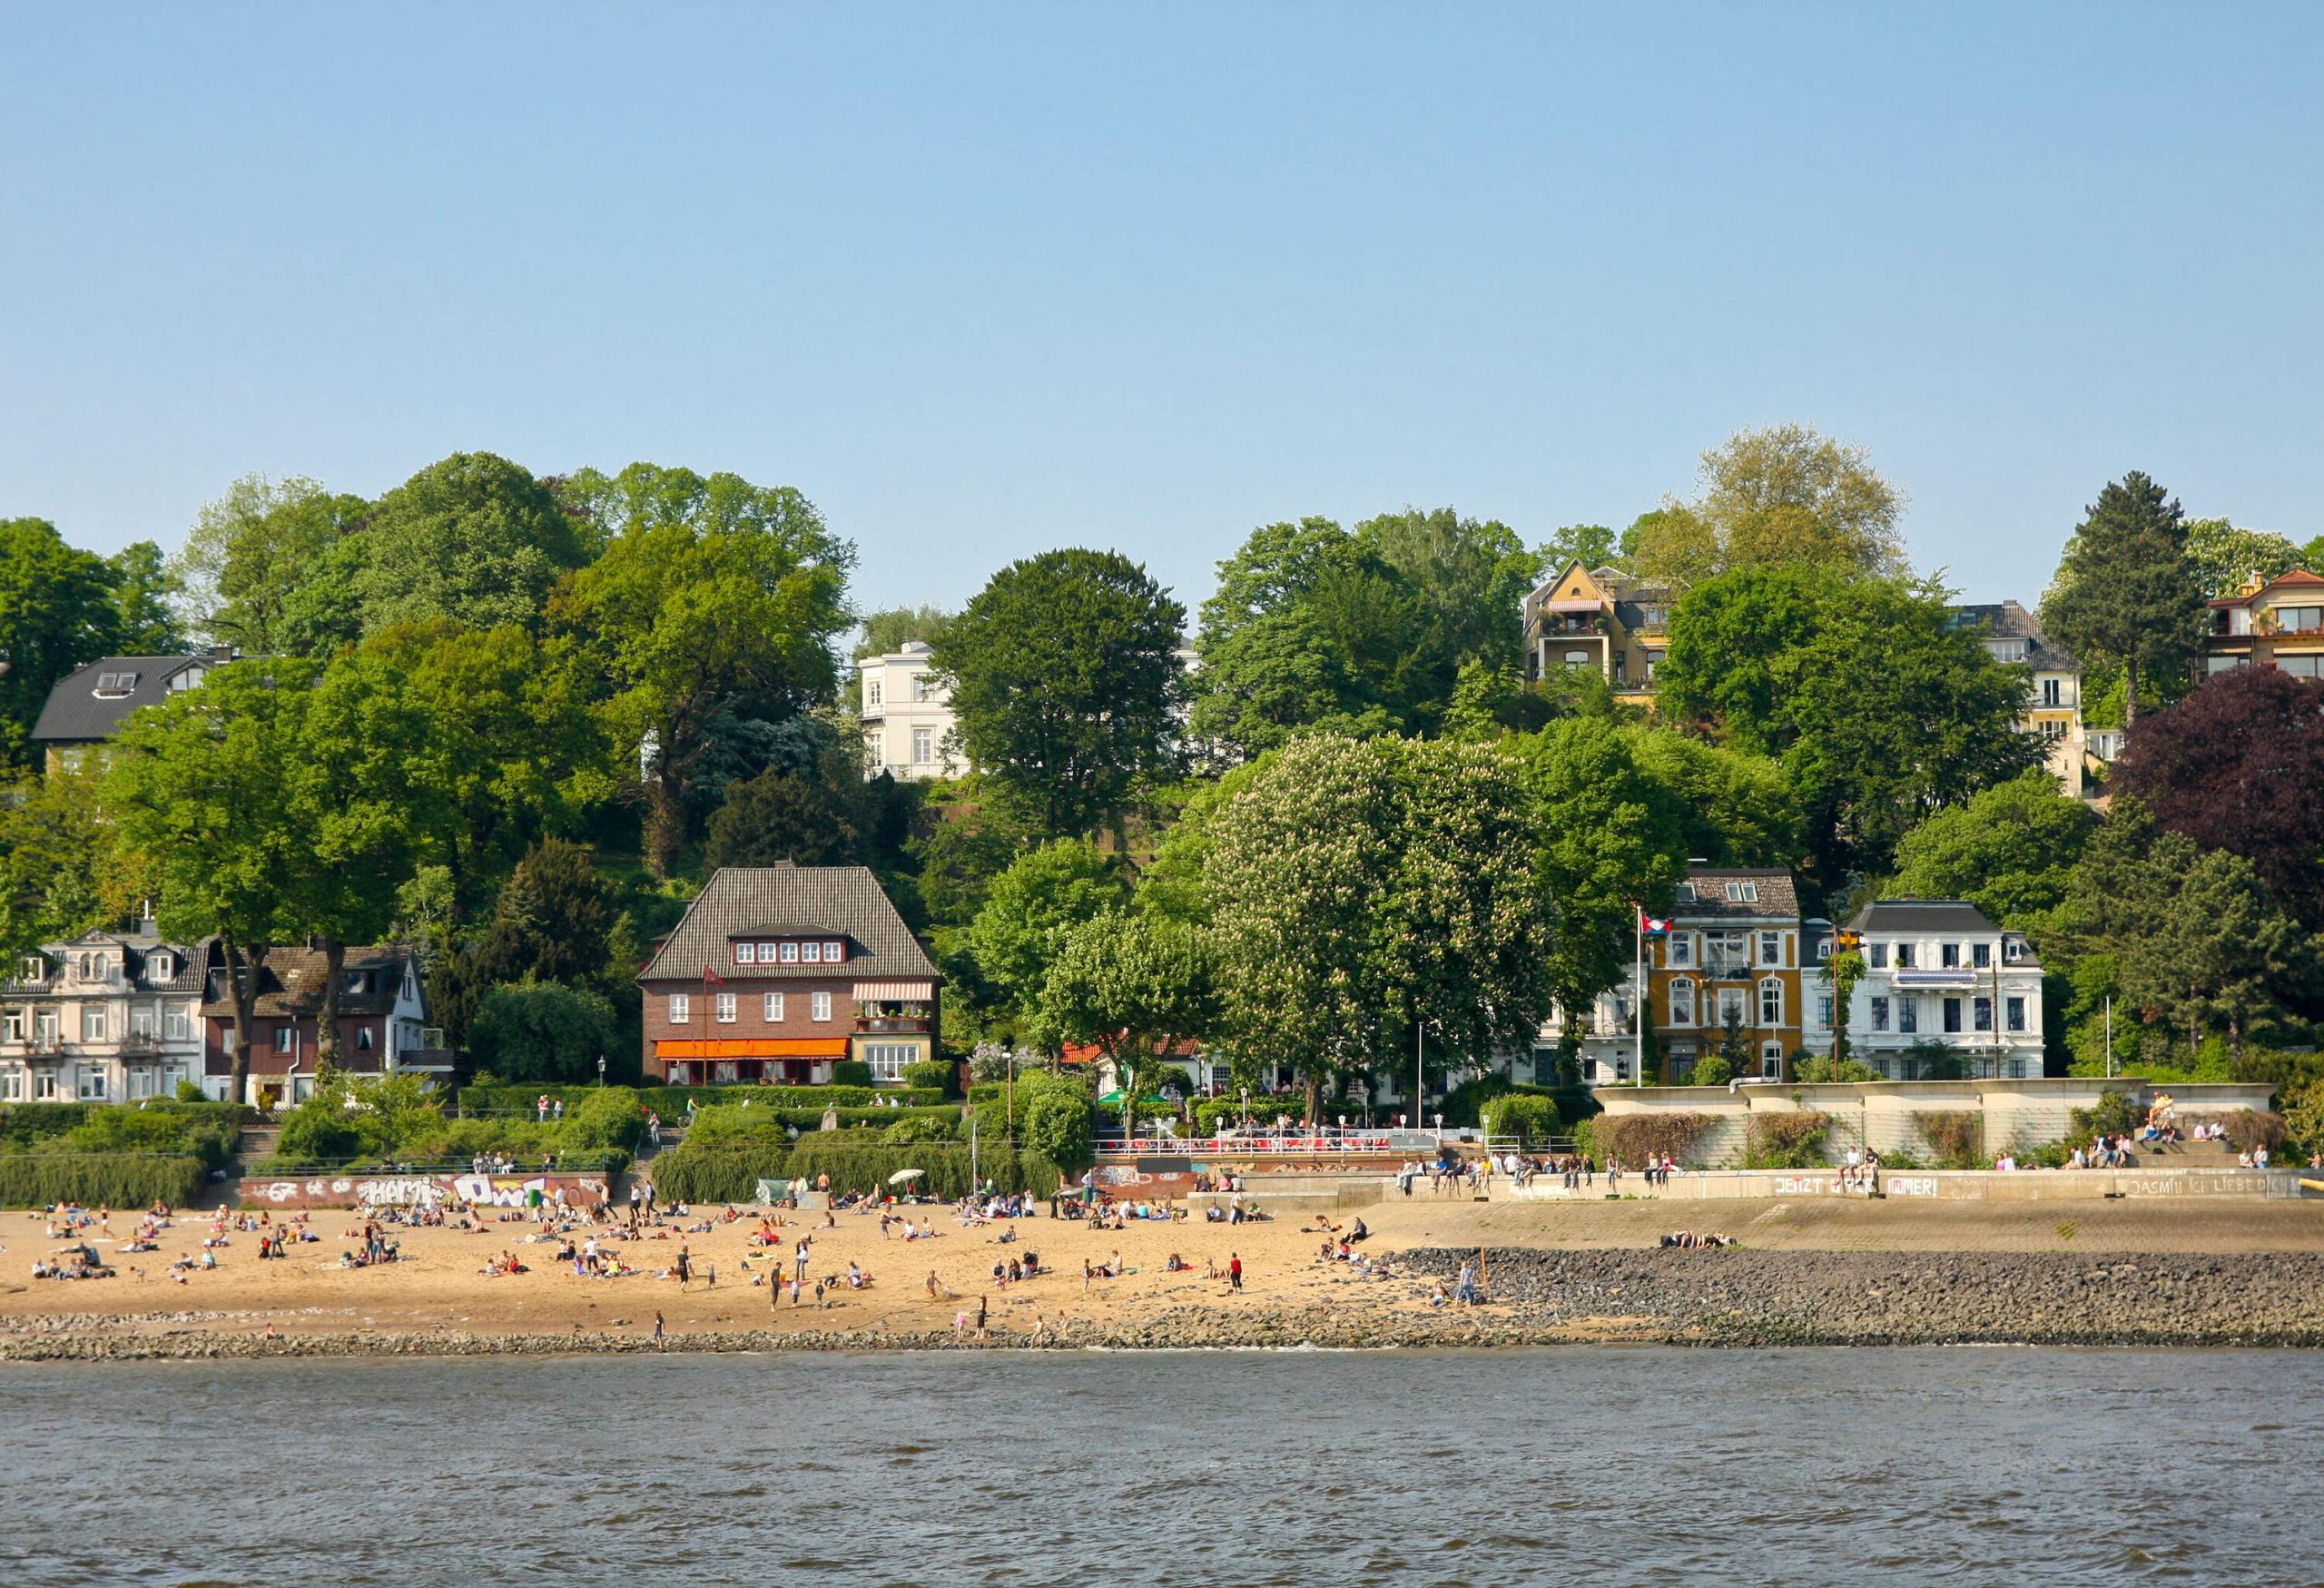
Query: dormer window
{"x":834,"y":953}
{"x":159,"y":967}
{"x":790,"y":953}
{"x":1686,"y":892}
{"x":746,"y":954}
{"x":36,"y":968}
{"x":113,"y":686}
{"x":810,"y":953}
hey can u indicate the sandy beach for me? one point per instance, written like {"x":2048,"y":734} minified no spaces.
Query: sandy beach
{"x":438,"y":1297}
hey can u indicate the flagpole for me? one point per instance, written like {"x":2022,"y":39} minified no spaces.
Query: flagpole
{"x":1638,"y":996}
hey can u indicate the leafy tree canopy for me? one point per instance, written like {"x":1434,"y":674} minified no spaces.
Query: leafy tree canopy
{"x":2226,"y":557}
{"x":1066,"y":683}
{"x":2238,"y":765}
{"x":473,"y":538}
{"x":1782,"y":494}
{"x":887,"y":631}
{"x":1034,"y":905}
{"x":58,"y":609}
{"x":262,"y":572}
{"x":2011,"y":850}
{"x":541,"y":1032}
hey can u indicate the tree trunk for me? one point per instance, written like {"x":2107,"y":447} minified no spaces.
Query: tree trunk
{"x":2130,"y":695}
{"x":241,"y":986}
{"x":327,"y":1026}
{"x":665,"y":825}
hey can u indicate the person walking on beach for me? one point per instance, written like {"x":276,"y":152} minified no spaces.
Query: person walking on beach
{"x":685,"y":1266}
{"x":657,"y":1331}
{"x":1234,"y":1271}
{"x":799,"y":1257}
{"x":1465,"y":1288}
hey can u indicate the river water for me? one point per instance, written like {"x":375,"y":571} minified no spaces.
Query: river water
{"x":1584,"y":1465}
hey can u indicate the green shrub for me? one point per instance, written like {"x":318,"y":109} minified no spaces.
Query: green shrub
{"x":115,"y":1180}
{"x":1794,"y":1139}
{"x":607,"y":1117}
{"x":1532,"y":1117}
{"x":917,"y":1129}
{"x":933,"y":1074}
{"x":1634,"y":1137}
{"x":541,"y":1031}
{"x":1820,"y":1070}
{"x":670,"y":1102}
{"x":855,"y":1164}
{"x":851,"y":1072}
{"x":1461,"y":1104}
{"x":1712,"y":1070}
{"x":189,"y":1091}
{"x":207,"y":1130}
{"x":729,"y":1173}
{"x":1956,"y":1136}
{"x":2117,"y":1113}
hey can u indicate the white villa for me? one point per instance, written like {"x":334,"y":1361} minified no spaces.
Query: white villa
{"x":907,"y":717}
{"x":1938,"y":974}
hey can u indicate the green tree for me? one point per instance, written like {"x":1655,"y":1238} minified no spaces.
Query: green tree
{"x":57,"y":612}
{"x":474,"y":538}
{"x":1590,"y":545}
{"x":1735,"y":807}
{"x":2225,"y":557}
{"x":195,"y":789}
{"x":1031,"y":909}
{"x":1137,"y":986}
{"x":555,"y":920}
{"x":1843,"y":972}
{"x":541,"y":1032}
{"x":1470,"y":578}
{"x":59,"y":873}
{"x":781,"y":815}
{"x":714,"y":597}
{"x":257,"y":570}
{"x":2011,"y":850}
{"x":1361,"y":888}
{"x":1612,"y":842}
{"x":2127,"y":592}
{"x":1780,"y":495}
{"x":1066,"y":683}
{"x":1880,"y":709}
{"x":887,"y":631}
{"x":143,"y":623}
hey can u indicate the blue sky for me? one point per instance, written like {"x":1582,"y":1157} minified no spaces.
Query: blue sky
{"x":987,"y":280}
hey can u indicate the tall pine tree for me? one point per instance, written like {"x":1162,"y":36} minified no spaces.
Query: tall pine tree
{"x":2127,"y":590}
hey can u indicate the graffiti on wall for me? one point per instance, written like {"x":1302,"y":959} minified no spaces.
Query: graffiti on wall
{"x":426,"y":1190}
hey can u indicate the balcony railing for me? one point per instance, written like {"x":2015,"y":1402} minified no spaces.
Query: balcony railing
{"x":918,"y":1025}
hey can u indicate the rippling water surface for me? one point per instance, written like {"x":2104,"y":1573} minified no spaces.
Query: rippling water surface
{"x":1587,"y":1465}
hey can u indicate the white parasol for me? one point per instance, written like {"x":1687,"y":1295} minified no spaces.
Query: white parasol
{"x":901,"y":1174}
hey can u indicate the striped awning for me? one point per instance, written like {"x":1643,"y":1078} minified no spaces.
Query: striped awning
{"x":895,"y":991}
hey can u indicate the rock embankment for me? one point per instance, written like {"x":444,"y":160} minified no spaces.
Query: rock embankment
{"x":1737,"y":1296}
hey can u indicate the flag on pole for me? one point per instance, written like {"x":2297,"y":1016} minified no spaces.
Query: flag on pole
{"x":1652,"y":925}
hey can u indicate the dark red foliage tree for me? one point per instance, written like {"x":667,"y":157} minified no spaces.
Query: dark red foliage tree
{"x":2238,"y":765}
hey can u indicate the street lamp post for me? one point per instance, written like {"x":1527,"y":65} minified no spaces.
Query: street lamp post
{"x":601,"y":1070}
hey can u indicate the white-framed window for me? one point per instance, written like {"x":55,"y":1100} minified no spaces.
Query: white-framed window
{"x":11,"y":1086}
{"x":790,"y":953}
{"x":159,"y":967}
{"x":833,"y":952}
{"x":1824,"y":1012}
{"x":1879,"y":1014}
{"x":920,"y":687}
{"x":1575,"y":660}
{"x":681,"y":1009}
{"x":1742,"y":892}
{"x":45,"y":1087}
{"x":92,"y":1084}
{"x":144,"y":1021}
{"x":93,"y":1023}
{"x":1686,"y":892}
{"x":725,"y":1007}
{"x":923,"y":747}
{"x":141,"y":1083}
{"x":45,"y":1027}
{"x":1682,"y":1003}
{"x":746,"y":954}
{"x":1981,"y":1015}
{"x":1771,"y":1059}
{"x":2015,"y":1010}
{"x":1682,"y":950}
{"x":1981,"y":955}
{"x":1876,"y":955}
{"x":1771,"y":948}
{"x":283,"y":1037}
{"x":1731,"y":1006}
{"x":16,"y":1025}
{"x":888,"y":1059}
{"x":1908,"y":1014}
{"x":364,"y":1039}
{"x":1770,"y":1001}
{"x":175,"y":1024}
{"x":819,"y":1006}
{"x":810,"y":953}
{"x":872,"y":691}
{"x":36,"y":968}
{"x":1905,"y":956}
{"x":1823,"y":948}
{"x":774,"y":1009}
{"x":1948,"y":955}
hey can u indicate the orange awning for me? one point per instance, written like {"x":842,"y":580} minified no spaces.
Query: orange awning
{"x":756,"y":1048}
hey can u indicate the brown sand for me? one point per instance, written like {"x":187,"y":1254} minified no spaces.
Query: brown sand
{"x":437,"y":1287}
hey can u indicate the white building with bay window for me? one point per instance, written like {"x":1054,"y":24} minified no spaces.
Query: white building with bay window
{"x":107,"y":1017}
{"x":1943,"y":986}
{"x":907,"y":712}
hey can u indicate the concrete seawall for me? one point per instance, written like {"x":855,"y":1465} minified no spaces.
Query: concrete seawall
{"x":1936,"y":1185}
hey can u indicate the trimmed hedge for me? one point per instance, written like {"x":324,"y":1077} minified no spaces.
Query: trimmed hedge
{"x":610,"y":1162}
{"x":113,"y":1179}
{"x":670,"y":1102}
{"x":858,"y":1164}
{"x":729,"y":1173}
{"x":207,"y":1132}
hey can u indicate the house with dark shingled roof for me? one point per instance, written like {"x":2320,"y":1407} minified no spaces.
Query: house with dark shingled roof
{"x":778,"y":972}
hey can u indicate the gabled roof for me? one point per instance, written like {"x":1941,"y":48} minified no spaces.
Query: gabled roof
{"x":290,"y":981}
{"x":77,"y":714}
{"x":1774,"y":895}
{"x":2011,"y":621}
{"x":137,"y":949}
{"x":2297,"y":579}
{"x":836,"y":901}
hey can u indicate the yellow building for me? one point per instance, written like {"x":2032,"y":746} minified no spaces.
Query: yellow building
{"x":1603,"y":619}
{"x":1733,"y":947}
{"x":2274,"y":623}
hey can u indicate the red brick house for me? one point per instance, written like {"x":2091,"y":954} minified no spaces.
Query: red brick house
{"x":778,"y":972}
